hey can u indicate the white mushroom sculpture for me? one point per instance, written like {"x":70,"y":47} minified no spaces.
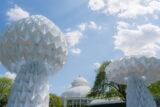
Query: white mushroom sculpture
{"x":33,"y":48}
{"x":136,"y":73}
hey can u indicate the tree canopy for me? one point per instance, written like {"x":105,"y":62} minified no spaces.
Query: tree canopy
{"x":100,"y":82}
{"x":5,"y":88}
{"x":155,"y":88}
{"x":54,"y":101}
{"x":103,"y":88}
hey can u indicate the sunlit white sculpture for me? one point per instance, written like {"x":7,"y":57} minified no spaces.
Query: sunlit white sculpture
{"x":34,"y":48}
{"x":137,"y":73}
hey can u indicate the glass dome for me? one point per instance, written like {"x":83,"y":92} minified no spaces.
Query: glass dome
{"x":80,"y":88}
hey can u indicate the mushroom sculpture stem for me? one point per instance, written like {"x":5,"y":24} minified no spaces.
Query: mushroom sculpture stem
{"x":30,"y":88}
{"x":136,"y":72}
{"x":137,"y":93}
{"x":33,"y":48}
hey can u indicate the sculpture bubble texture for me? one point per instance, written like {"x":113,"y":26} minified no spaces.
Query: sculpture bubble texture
{"x":33,"y":48}
{"x":136,"y":73}
{"x":145,"y":67}
{"x":137,"y":93}
{"x":33,"y":38}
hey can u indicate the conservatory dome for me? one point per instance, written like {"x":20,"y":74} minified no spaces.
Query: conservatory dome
{"x":80,"y":88}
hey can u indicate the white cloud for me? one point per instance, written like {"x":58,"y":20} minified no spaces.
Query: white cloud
{"x":96,"y":4}
{"x":68,"y":29}
{"x":73,"y":37}
{"x":155,"y":17}
{"x":97,"y":64}
{"x":132,"y":8}
{"x":16,"y":13}
{"x":122,"y":24}
{"x":10,"y":75}
{"x":141,"y":41}
{"x":125,"y":8}
{"x":90,"y":25}
{"x":76,"y":51}
{"x":82,"y":26}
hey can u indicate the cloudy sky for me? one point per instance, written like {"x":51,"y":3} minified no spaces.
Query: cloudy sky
{"x":96,"y":31}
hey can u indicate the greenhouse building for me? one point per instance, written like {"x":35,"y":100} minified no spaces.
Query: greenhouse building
{"x":76,"y":95}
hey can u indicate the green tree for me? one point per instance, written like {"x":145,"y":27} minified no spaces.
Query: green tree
{"x":99,"y":87}
{"x":5,"y":87}
{"x":54,"y":101}
{"x":103,"y":88}
{"x":155,"y":88}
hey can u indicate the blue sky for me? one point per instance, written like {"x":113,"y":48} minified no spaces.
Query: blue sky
{"x":96,"y":31}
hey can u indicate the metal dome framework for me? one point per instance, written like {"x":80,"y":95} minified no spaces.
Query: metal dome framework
{"x":76,"y":94}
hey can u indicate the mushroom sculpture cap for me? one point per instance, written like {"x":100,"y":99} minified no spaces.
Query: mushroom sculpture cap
{"x":35,"y":38}
{"x":147,"y":68}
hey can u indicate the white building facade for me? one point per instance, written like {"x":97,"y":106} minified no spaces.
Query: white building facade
{"x":76,"y":95}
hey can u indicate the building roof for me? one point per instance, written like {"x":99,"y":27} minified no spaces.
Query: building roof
{"x":80,"y":88}
{"x":103,"y":101}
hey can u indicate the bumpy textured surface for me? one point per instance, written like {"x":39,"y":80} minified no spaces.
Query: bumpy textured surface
{"x":80,"y":88}
{"x":136,"y":72}
{"x":137,"y":93}
{"x":30,"y":88}
{"x":33,"y":48}
{"x":144,"y":67}
{"x":33,"y":38}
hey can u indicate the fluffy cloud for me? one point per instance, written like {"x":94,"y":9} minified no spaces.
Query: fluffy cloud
{"x":90,"y":25}
{"x":16,"y":13}
{"x":82,"y":26}
{"x":96,"y":4}
{"x":132,"y":8}
{"x":10,"y":75}
{"x":155,"y":17}
{"x":76,"y":51}
{"x":126,"y":8}
{"x":96,"y":64}
{"x":141,"y":41}
{"x":73,"y":37}
{"x":122,"y":24}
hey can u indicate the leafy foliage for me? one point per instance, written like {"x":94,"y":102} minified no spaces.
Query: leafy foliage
{"x":103,"y":88}
{"x":112,"y":93}
{"x":155,"y":88}
{"x":99,"y":87}
{"x":5,"y":87}
{"x":54,"y":101}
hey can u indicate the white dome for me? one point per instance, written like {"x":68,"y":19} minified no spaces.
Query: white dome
{"x":80,"y":81}
{"x":80,"y":88}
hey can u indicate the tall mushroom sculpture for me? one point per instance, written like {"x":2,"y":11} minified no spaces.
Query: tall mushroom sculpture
{"x":33,"y":48}
{"x":136,"y":73}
